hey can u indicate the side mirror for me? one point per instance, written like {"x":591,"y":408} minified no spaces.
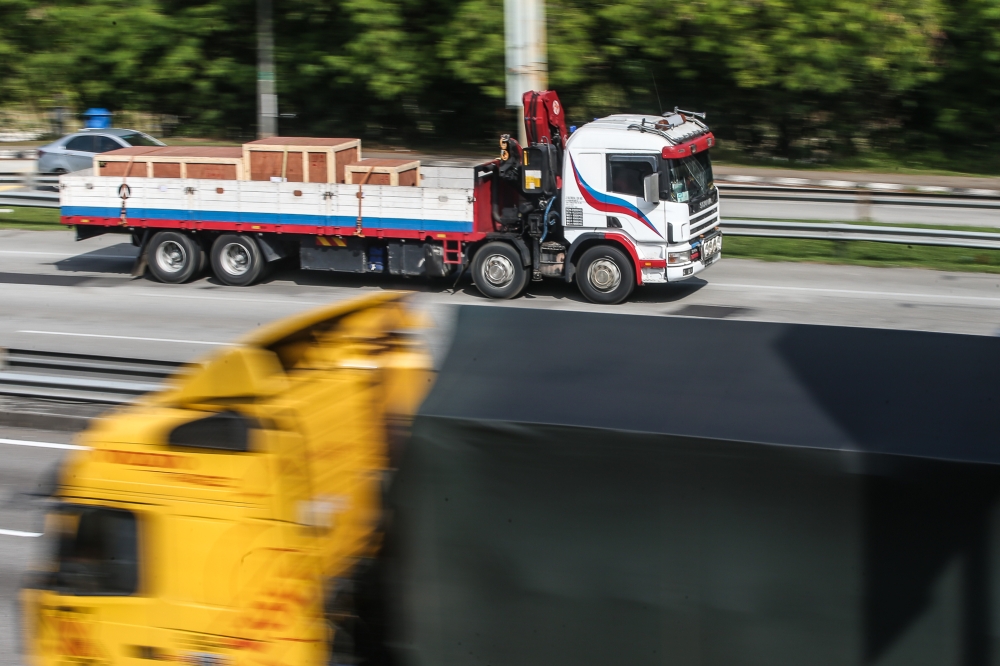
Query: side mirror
{"x":651,"y":188}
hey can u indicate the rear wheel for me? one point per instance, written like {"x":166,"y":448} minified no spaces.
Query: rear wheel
{"x":497,"y":270}
{"x":605,"y":275}
{"x":237,"y":260}
{"x":174,"y":257}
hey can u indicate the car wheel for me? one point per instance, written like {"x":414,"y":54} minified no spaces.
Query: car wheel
{"x":174,"y":257}
{"x":497,"y":270}
{"x":237,"y":260}
{"x":605,"y":275}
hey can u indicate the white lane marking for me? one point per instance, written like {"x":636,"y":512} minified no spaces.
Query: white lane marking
{"x":130,"y":337}
{"x":19,"y":533}
{"x":163,"y":294}
{"x":857,"y":292}
{"x":43,"y":445}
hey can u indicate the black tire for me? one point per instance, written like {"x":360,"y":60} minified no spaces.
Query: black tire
{"x":174,"y":257}
{"x":237,"y":260}
{"x":497,"y":270}
{"x":605,"y":275}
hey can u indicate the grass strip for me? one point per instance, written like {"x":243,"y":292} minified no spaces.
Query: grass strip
{"x":863,"y":253}
{"x":25,"y":217}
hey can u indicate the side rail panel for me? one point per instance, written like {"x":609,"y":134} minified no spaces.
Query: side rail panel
{"x":259,"y":206}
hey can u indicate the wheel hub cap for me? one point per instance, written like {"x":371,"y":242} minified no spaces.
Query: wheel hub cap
{"x":498,"y":270}
{"x":171,"y":257}
{"x":235,"y":259}
{"x":604,"y":275}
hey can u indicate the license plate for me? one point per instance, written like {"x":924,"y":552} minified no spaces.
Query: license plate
{"x":710,"y":248}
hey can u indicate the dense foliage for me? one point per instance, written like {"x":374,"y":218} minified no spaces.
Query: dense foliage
{"x":814,"y":79}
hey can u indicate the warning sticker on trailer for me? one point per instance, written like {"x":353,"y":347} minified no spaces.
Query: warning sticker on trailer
{"x":532,"y":179}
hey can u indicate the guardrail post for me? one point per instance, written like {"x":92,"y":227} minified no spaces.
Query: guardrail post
{"x":864,"y":206}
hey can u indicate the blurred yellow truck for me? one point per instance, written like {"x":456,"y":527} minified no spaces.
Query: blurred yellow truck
{"x":211,"y":523}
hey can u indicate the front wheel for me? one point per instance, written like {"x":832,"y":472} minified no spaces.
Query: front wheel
{"x":237,"y":260}
{"x":497,"y":270}
{"x":605,"y":275}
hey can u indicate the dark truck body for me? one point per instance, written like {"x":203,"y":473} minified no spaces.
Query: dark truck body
{"x":790,"y":495}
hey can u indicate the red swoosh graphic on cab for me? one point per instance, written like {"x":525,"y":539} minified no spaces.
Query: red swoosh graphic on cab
{"x":611,"y":204}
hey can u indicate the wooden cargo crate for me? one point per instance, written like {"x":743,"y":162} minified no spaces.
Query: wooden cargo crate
{"x":384,"y":172}
{"x":172,"y":162}
{"x":299,"y":159}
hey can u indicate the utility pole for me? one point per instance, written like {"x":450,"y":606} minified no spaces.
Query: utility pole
{"x":267,"y":94}
{"x":526,"y":53}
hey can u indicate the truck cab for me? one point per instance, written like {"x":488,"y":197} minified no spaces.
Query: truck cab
{"x":645,"y":183}
{"x":623,"y":201}
{"x":215,"y":523}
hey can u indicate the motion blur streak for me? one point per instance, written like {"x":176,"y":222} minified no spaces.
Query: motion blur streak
{"x":41,"y":445}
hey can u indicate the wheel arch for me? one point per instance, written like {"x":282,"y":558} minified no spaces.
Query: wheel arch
{"x":586,"y":241}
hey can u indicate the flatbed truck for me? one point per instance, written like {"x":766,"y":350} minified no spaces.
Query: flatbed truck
{"x":623,"y":201}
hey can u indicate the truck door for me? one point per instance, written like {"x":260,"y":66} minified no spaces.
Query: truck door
{"x":90,"y":610}
{"x":625,"y":202}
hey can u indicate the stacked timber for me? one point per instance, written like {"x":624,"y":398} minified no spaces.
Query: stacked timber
{"x":206,"y":162}
{"x":298,"y":159}
{"x":377,"y":171}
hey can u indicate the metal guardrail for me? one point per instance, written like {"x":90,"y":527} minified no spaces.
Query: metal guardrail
{"x":80,"y":377}
{"x":33,"y":199}
{"x":859,"y":197}
{"x":862,"y":232}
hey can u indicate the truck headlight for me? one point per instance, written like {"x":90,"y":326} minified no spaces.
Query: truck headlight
{"x":677,"y":258}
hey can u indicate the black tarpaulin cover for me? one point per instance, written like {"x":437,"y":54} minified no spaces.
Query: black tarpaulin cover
{"x":600,"y":489}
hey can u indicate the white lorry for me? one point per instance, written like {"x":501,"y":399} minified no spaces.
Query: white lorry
{"x":623,"y":201}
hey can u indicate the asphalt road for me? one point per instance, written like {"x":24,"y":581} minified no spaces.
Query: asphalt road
{"x":61,"y":295}
{"x":56,"y":294}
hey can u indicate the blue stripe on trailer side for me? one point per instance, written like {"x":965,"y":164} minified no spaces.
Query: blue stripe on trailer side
{"x":398,"y":223}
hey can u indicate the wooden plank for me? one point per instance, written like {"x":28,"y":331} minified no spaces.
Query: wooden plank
{"x":343,"y":158}
{"x":317,"y":167}
{"x":265,"y":164}
{"x":166,"y":170}
{"x":384,"y":172}
{"x":211,"y":171}
{"x":293,"y":168}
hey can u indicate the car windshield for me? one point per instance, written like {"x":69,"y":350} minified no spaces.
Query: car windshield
{"x":97,"y":551}
{"x":687,"y":179}
{"x":140,"y":139}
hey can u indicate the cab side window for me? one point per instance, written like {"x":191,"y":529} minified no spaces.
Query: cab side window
{"x":626,"y":173}
{"x":82,"y":143}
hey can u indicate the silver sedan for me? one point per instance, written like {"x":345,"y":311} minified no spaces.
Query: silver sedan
{"x":76,"y":151}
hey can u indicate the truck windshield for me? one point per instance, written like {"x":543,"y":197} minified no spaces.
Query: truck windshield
{"x":687,"y":179}
{"x":96,"y":551}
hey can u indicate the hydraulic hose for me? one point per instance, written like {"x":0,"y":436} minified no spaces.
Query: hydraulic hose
{"x":545,"y":219}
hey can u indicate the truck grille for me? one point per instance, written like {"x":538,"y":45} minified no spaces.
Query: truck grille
{"x":704,"y":220}
{"x":705,"y":224}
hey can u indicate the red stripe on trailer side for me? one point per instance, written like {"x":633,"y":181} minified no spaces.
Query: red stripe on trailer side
{"x":247,"y":227}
